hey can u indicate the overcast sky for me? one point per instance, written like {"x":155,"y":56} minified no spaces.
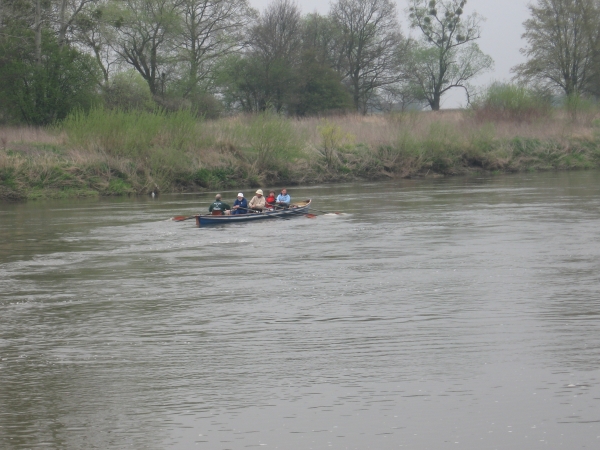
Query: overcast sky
{"x":501,"y":35}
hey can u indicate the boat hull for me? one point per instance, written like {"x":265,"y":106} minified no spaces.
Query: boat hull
{"x":294,"y":210}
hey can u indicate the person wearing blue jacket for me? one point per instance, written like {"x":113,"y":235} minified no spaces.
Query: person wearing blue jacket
{"x":240,"y":206}
{"x":283,"y":199}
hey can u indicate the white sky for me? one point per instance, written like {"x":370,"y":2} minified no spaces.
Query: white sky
{"x":501,"y":35}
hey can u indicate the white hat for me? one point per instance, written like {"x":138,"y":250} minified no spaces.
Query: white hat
{"x":240,"y":195}
{"x":259,"y":192}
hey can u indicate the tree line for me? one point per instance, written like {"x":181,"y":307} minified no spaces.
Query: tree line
{"x":222,"y":55}
{"x":215,"y":56}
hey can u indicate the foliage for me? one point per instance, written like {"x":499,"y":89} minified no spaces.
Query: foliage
{"x":41,"y":92}
{"x":319,"y":90}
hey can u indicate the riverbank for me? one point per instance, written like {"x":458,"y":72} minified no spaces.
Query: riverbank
{"x":117,"y":153}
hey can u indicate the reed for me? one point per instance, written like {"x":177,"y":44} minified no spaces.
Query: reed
{"x":125,"y":153}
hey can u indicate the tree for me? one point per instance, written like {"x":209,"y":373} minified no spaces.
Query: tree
{"x":145,"y":31}
{"x":42,"y":91}
{"x":370,"y":47}
{"x":319,"y":89}
{"x":319,"y":86}
{"x":276,"y":45}
{"x":211,"y":29}
{"x":93,"y":31}
{"x":67,"y":12}
{"x":562,"y":38}
{"x":446,"y":56}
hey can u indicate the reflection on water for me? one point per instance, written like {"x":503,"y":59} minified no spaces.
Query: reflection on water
{"x":460,"y":312}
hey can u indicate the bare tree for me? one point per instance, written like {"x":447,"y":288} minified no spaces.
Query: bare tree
{"x":277,"y":34}
{"x":370,"y":46}
{"x":92,"y":31}
{"x":274,"y":52}
{"x":447,"y":56}
{"x":561,"y":36}
{"x":211,"y":29}
{"x":67,"y":12}
{"x":146,"y":30}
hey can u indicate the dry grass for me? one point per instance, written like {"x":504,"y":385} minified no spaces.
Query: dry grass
{"x":25,"y":135}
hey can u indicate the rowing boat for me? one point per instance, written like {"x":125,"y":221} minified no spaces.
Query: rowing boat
{"x":295,"y":209}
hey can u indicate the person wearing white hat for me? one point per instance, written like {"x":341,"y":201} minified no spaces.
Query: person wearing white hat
{"x":240,"y":206}
{"x":258,"y":201}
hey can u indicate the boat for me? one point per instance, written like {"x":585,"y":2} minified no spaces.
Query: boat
{"x":294,"y":210}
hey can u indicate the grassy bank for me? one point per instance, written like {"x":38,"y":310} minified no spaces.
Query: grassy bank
{"x":118,"y":153}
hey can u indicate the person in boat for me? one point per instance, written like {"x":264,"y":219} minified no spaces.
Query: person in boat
{"x":219,"y":207}
{"x":270,"y":200}
{"x":240,"y":206}
{"x":258,"y":201}
{"x":283,"y":200}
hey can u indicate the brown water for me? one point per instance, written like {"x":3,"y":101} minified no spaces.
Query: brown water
{"x":457,"y":313}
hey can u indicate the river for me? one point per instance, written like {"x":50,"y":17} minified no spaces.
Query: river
{"x":457,"y":313}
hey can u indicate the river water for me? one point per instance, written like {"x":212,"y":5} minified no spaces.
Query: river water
{"x":459,"y":313}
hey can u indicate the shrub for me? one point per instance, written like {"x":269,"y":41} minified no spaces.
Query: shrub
{"x":272,"y":138}
{"x":332,"y":140}
{"x":128,"y":91}
{"x":131,"y":134}
{"x":581,"y":109}
{"x":510,"y":102}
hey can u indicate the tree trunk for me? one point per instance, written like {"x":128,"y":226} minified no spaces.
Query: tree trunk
{"x":356,"y":93}
{"x":38,"y":32}
{"x":62,"y":30}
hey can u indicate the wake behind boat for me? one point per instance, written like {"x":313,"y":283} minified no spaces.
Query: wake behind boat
{"x":294,"y":210}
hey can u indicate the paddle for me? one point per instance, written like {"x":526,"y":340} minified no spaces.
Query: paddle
{"x":182,"y":218}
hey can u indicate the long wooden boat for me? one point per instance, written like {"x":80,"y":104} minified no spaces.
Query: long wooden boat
{"x":294,"y":210}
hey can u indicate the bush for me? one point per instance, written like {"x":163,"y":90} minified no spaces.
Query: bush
{"x":581,"y":109}
{"x":128,"y":91}
{"x":272,"y":138}
{"x":132,"y":134}
{"x":510,"y":102}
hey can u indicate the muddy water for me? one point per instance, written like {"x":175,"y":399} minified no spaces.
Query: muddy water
{"x":458,"y":313}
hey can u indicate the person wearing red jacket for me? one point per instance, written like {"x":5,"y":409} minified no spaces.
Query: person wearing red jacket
{"x":270,"y":200}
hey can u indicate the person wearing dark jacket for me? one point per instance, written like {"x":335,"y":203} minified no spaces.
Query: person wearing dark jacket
{"x":218,"y":207}
{"x":240,"y":206}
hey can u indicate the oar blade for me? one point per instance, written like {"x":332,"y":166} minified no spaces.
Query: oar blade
{"x":181,"y":218}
